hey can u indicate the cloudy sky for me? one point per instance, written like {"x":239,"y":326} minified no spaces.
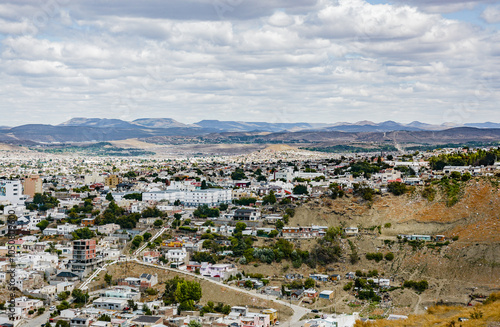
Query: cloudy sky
{"x":254,"y":60}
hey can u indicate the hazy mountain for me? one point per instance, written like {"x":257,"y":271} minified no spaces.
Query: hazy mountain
{"x":49,"y":133}
{"x":98,"y":122}
{"x":453,"y":135}
{"x":240,"y":126}
{"x":425,"y":126}
{"x":484,"y":125}
{"x":367,"y":126}
{"x":159,"y":123}
{"x":170,"y":130}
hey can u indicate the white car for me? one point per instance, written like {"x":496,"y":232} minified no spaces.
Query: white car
{"x":277,"y":323}
{"x":52,"y":308}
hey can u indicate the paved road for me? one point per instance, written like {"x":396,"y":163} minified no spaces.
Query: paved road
{"x":37,"y":321}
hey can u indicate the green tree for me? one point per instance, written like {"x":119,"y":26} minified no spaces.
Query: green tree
{"x":238,"y":174}
{"x":205,"y":211}
{"x":108,"y":279}
{"x":269,"y":199}
{"x":187,"y":292}
{"x":240,"y":226}
{"x":104,"y":317}
{"x":83,"y":234}
{"x":280,"y":224}
{"x":133,"y":196}
{"x":300,"y":189}
{"x":146,"y":310}
{"x":158,"y":223}
{"x":43,"y":224}
{"x":146,"y":236}
{"x":194,"y":323}
{"x":151,"y":212}
{"x":151,"y":291}
{"x":309,"y":283}
{"x":62,"y":323}
{"x":63,"y":296}
{"x":109,"y":196}
{"x":79,"y":296}
{"x":397,"y":188}
{"x":136,"y":242}
{"x":389,"y":256}
{"x":62,"y":306}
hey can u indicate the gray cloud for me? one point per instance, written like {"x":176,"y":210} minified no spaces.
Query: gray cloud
{"x":263,"y":60}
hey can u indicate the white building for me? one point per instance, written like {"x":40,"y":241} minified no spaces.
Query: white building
{"x":176,"y":255}
{"x":12,"y":192}
{"x":108,"y":229}
{"x":210,"y":197}
{"x":110,"y":303}
{"x":66,"y":229}
{"x":167,"y":196}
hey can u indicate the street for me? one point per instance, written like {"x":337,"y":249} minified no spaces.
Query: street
{"x":37,"y":321}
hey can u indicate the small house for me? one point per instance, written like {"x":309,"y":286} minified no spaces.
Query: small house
{"x":439,"y":238}
{"x":326,"y":295}
{"x":350,"y":275}
{"x":335,"y":277}
{"x":311,"y":293}
{"x":319,"y":277}
{"x":351,"y":231}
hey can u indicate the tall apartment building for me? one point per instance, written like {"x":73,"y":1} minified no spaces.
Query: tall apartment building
{"x":32,"y":185}
{"x":12,"y":191}
{"x":112,"y":181}
{"x":84,"y":257}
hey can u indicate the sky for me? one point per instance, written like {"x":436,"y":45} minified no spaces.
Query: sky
{"x":280,"y":61}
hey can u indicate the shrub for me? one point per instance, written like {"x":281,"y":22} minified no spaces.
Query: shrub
{"x":348,"y":286}
{"x":389,"y":256}
{"x":397,"y":188}
{"x":151,"y":291}
{"x":429,"y":193}
{"x":378,"y":256}
{"x":417,"y":286}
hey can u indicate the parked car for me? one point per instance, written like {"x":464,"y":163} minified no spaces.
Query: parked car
{"x":315,"y":310}
{"x":52,"y":308}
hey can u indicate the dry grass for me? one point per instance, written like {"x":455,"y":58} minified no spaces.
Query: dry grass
{"x":210,"y":291}
{"x":444,"y":316}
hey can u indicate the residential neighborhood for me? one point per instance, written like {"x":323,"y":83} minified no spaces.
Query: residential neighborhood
{"x":77,"y":219}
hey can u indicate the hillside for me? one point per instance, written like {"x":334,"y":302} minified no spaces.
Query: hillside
{"x":470,"y":264}
{"x":445,"y":316}
{"x":473,"y":218}
{"x":210,"y":291}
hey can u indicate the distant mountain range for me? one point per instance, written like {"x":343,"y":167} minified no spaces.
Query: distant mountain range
{"x":240,"y":126}
{"x":168,"y":130}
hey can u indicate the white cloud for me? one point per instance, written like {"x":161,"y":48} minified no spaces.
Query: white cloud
{"x":301,"y":60}
{"x":491,"y":14}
